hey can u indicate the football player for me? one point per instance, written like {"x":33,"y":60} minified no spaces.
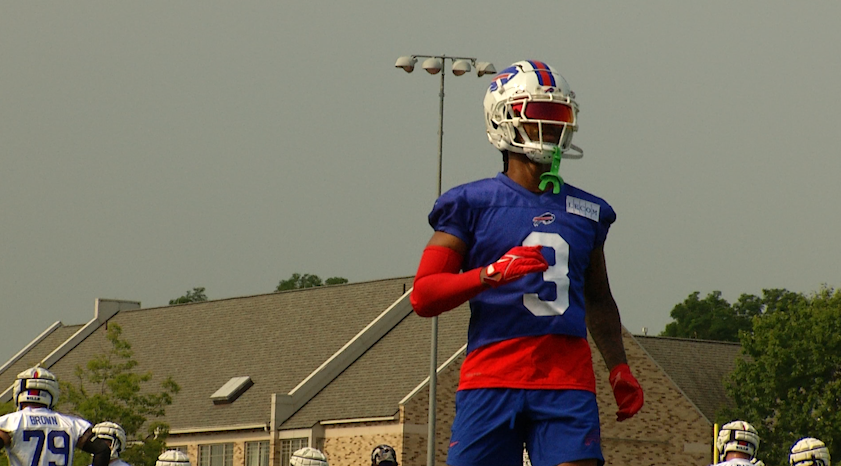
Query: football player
{"x":308,"y":456}
{"x":383,"y":455}
{"x":737,"y":443}
{"x":116,"y":438}
{"x":35,"y":435}
{"x":173,"y":458}
{"x":527,"y":251}
{"x":809,"y":451}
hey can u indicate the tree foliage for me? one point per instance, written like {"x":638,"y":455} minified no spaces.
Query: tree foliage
{"x":297,"y":281}
{"x":195,"y":296}
{"x":713,"y":318}
{"x":789,"y":384}
{"x":109,"y":389}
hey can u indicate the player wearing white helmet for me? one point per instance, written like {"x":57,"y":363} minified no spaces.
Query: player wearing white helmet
{"x":173,"y":458}
{"x":35,"y":435}
{"x":737,"y":443}
{"x":809,"y":451}
{"x":530,"y":109}
{"x":308,"y":456}
{"x":527,"y":251}
{"x":116,"y":437}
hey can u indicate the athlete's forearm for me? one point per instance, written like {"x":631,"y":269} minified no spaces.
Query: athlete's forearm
{"x":100,"y":450}
{"x":438,"y":293}
{"x":602,"y":314}
{"x":606,"y":329}
{"x":439,"y":287}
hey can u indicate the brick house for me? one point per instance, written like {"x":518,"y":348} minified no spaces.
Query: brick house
{"x":345,"y":368}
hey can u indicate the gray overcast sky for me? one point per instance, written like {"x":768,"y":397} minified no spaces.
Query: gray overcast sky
{"x":147,"y":148}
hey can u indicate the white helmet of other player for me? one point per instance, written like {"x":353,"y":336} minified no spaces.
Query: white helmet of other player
{"x":737,"y":436}
{"x":114,"y":434}
{"x":809,"y":451}
{"x":36,"y":385}
{"x":308,"y":456}
{"x":531,"y":95}
{"x":173,"y":458}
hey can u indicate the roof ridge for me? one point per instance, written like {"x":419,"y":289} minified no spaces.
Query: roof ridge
{"x":272,"y":293}
{"x":699,"y":340}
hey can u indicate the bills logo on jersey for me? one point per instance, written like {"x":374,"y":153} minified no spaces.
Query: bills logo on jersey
{"x":544,"y":219}
{"x":503,"y":77}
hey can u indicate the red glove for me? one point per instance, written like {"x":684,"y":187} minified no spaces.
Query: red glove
{"x":626,"y":390}
{"x":515,"y":264}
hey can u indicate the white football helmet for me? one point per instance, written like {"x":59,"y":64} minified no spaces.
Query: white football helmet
{"x":114,"y":434}
{"x":173,"y":458}
{"x":737,"y":436}
{"x":532,"y":93}
{"x":36,"y":385}
{"x":308,"y":456}
{"x":809,"y":451}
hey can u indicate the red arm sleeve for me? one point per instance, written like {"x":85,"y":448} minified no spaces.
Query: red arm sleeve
{"x":439,"y":286}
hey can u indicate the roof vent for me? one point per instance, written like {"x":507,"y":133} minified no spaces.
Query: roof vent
{"x":232,"y":390}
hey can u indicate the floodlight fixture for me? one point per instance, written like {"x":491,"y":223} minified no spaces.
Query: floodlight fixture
{"x":460,"y":67}
{"x":433,"y":65}
{"x":484,"y":67}
{"x":407,"y":63}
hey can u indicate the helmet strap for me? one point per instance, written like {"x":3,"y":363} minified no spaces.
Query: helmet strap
{"x":552,"y":176}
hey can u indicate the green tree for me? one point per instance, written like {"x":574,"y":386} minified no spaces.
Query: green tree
{"x":195,"y":296}
{"x":109,"y":389}
{"x":297,"y":281}
{"x":789,"y":383}
{"x":713,"y":318}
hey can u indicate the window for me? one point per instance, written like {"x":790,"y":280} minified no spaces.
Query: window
{"x":257,"y":453}
{"x":221,"y":454}
{"x":288,"y":446}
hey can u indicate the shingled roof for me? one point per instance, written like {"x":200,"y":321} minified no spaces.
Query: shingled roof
{"x":36,"y":351}
{"x":278,"y":340}
{"x":697,"y":367}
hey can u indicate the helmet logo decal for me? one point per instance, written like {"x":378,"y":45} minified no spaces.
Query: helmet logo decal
{"x":544,"y":74}
{"x":503,"y":77}
{"x":546,"y":218}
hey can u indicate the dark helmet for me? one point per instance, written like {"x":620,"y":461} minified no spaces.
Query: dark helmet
{"x":383,"y":455}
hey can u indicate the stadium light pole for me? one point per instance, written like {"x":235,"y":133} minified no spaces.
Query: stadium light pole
{"x":434,"y":64}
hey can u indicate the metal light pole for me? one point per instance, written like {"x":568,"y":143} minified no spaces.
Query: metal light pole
{"x":435,"y":64}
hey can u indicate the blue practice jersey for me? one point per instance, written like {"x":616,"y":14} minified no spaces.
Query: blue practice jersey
{"x":496,"y":214}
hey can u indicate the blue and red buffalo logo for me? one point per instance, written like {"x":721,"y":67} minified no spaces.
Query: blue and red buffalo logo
{"x":544,"y":219}
{"x":502,"y":77}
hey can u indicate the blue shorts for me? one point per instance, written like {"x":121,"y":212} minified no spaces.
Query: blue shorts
{"x":493,"y":424}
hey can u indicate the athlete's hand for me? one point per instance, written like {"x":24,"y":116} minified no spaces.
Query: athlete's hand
{"x":626,"y":390}
{"x":515,"y":264}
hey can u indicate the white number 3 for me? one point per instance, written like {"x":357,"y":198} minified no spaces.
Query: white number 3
{"x":556,"y":273}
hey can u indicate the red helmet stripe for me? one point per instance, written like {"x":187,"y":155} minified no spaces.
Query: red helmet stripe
{"x":544,"y":75}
